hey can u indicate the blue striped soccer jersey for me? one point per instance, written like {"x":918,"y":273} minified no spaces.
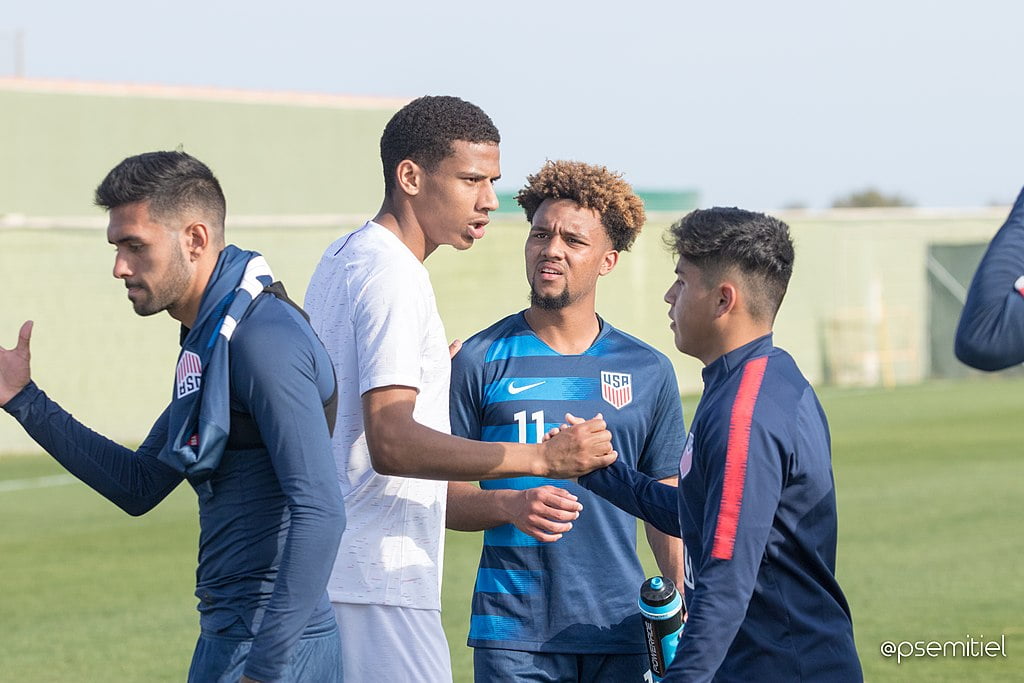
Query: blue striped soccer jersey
{"x":578,"y":594}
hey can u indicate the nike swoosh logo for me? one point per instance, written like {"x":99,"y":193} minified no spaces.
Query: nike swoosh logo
{"x":513,"y":389}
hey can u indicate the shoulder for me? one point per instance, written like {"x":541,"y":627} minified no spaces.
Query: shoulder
{"x":784,"y":382}
{"x":482,"y":340}
{"x":643,"y":354}
{"x":271,"y":331}
{"x":767,"y":394}
{"x":370,"y":253}
{"x":476,"y":349}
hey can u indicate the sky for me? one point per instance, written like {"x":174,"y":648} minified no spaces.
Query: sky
{"x":754,"y":104}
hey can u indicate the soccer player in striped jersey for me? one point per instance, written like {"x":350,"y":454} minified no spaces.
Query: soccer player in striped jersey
{"x":556,"y":590}
{"x":756,"y":501}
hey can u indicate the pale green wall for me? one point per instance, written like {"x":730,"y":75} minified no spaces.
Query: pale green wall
{"x":270,"y":158}
{"x":298,"y":160}
{"x":114,"y":370}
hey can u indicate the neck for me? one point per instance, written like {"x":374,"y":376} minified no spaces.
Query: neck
{"x":406,"y":227}
{"x":186,"y":310}
{"x":569,"y":331}
{"x":735,"y":337}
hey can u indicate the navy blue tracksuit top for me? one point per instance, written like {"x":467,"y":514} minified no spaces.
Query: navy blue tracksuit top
{"x":990,"y":335}
{"x":756,"y":509}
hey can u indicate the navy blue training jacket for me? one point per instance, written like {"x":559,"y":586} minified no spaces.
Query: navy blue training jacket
{"x":990,"y":335}
{"x":757,"y":512}
{"x":269,"y":532}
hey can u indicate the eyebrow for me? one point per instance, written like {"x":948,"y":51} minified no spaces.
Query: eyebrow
{"x":126,"y":238}
{"x":479,"y":176}
{"x":567,"y":232}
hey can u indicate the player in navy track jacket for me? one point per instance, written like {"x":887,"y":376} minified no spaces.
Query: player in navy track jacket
{"x":756,"y":501}
{"x":991,"y":331}
{"x":248,"y":425}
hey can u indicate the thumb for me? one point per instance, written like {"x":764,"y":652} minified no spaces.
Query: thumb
{"x":573,"y":420}
{"x":24,"y":337}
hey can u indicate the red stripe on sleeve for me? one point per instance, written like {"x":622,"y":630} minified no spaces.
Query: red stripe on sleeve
{"x":736,"y":459}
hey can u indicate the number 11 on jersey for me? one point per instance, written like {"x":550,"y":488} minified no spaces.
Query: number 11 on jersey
{"x":538,"y":421}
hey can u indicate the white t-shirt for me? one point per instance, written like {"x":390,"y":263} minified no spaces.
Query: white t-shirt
{"x":371,"y":302}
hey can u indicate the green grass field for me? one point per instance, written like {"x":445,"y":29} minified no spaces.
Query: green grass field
{"x":930,"y":482}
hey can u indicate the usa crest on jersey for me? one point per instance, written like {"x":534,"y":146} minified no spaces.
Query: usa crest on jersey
{"x":617,"y":388}
{"x":189,"y":374}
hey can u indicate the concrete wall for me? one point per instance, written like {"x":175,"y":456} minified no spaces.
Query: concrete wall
{"x":865,"y":271}
{"x":274,"y":153}
{"x":298,"y":171}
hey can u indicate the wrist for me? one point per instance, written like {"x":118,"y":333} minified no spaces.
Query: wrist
{"x":13,"y":400}
{"x":504,"y":502}
{"x":539,"y":466}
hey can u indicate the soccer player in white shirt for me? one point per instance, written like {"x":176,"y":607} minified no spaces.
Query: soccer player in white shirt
{"x":371,"y":302}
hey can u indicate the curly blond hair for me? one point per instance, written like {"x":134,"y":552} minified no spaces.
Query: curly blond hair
{"x":592,"y":187}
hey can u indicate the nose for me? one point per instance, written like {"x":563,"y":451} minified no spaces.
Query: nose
{"x":121,"y":269}
{"x":670,"y":296}
{"x":489,"y":200}
{"x":554,"y":248}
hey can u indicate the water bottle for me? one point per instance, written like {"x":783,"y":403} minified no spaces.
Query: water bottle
{"x":661,"y":609}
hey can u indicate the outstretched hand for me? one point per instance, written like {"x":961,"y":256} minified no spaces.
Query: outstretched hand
{"x":14,"y":365}
{"x":578,"y":448}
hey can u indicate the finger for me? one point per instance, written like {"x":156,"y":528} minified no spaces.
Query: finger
{"x":551,"y":498}
{"x":454,"y":348}
{"x":24,"y":336}
{"x":552,"y":527}
{"x":543,"y":537}
{"x":562,"y":508}
{"x":573,"y":420}
{"x":560,"y":514}
{"x":560,"y":498}
{"x":594,"y":424}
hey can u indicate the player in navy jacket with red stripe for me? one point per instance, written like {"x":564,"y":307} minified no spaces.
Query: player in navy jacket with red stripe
{"x":756,"y":498}
{"x":991,"y":331}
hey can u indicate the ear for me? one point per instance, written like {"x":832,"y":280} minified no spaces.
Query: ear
{"x":197,"y":239}
{"x":728,"y":299}
{"x":610,"y":259}
{"x":409,"y":176}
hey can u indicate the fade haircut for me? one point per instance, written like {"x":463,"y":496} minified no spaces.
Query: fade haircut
{"x":758,"y":246}
{"x":592,"y":187}
{"x":423,"y":131}
{"x":174,"y":183}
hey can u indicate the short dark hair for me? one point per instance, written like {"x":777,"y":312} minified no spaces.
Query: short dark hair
{"x":718,"y":239}
{"x":423,"y":131}
{"x":592,"y":187}
{"x":172,"y":182}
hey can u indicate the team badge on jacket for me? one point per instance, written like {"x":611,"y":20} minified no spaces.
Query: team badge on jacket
{"x":189,"y":374}
{"x":617,"y":388}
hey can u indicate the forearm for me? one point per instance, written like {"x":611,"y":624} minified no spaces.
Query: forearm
{"x":401,"y":446}
{"x":409,"y":449}
{"x":135,"y":482}
{"x":471,"y":508}
{"x":668,"y":552}
{"x":637,"y":494}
